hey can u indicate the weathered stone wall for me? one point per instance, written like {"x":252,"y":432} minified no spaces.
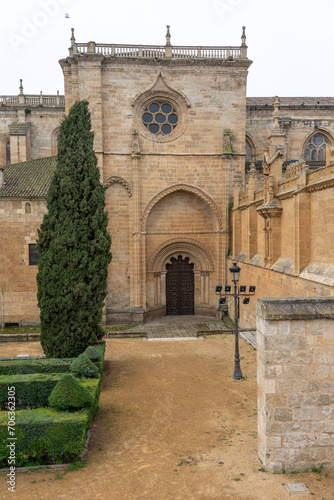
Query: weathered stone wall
{"x":304,"y":121}
{"x":270,"y":283}
{"x":295,"y":342}
{"x":175,"y":189}
{"x":17,"y":277}
{"x":293,"y":249}
{"x":41,"y":141}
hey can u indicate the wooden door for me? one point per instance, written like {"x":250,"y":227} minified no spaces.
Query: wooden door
{"x":180,"y":287}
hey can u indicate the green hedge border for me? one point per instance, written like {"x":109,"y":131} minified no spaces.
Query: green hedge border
{"x":47,"y":436}
{"x":25,"y":366}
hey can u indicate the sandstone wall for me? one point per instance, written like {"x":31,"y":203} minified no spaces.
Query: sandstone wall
{"x":295,"y":357}
{"x":17,"y":277}
{"x":305,"y":120}
{"x":293,"y":244}
{"x":167,"y":195}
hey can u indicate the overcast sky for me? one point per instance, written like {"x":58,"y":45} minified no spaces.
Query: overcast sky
{"x":289,"y":41}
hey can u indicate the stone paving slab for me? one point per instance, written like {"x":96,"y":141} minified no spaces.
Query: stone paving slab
{"x":181,"y":327}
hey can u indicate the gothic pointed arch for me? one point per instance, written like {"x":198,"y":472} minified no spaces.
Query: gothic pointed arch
{"x":250,"y":148}
{"x":55,"y":136}
{"x":314,"y":147}
{"x":5,"y":150}
{"x":190,"y":189}
{"x":118,"y":180}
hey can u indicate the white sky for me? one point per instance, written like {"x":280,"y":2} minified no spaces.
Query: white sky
{"x":289,"y":41}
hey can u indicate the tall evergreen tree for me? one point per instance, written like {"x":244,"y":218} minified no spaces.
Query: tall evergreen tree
{"x":73,"y":243}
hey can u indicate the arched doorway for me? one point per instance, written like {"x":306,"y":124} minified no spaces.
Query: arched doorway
{"x":180,"y":287}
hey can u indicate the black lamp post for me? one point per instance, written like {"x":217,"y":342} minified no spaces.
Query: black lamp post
{"x":237,"y":293}
{"x":235,"y":274}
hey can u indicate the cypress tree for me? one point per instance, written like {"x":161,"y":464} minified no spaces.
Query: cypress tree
{"x":73,"y":243}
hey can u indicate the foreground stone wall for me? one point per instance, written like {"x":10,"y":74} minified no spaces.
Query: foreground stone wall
{"x":295,"y":338}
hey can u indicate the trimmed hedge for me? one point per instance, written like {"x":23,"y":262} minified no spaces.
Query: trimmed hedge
{"x":16,"y":366}
{"x":33,"y":390}
{"x":101,"y":348}
{"x":70,"y":394}
{"x":30,"y":389}
{"x":43,"y":365}
{"x":84,"y":367}
{"x":93,"y":354}
{"x":45,"y":435}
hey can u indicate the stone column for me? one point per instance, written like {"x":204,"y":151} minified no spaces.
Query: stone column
{"x":302,"y":231}
{"x":135,"y":235}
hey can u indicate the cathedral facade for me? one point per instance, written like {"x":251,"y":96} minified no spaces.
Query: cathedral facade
{"x":174,"y":136}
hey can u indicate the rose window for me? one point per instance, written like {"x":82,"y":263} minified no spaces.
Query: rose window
{"x":160,"y":118}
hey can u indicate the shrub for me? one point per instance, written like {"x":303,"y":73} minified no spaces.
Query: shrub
{"x":30,"y":389}
{"x":93,"y":354}
{"x":82,"y":366}
{"x":70,"y":394}
{"x":51,"y":365}
{"x":44,"y":435}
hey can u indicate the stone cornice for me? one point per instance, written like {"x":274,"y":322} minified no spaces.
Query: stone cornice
{"x":144,"y":61}
{"x":295,"y":308}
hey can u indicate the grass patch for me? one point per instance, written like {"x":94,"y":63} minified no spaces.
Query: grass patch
{"x":20,"y":329}
{"x":120,"y":328}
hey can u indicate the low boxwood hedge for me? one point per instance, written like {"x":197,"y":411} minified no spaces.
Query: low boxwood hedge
{"x":44,"y":435}
{"x":16,"y":366}
{"x":82,"y":366}
{"x":32,"y":390}
{"x":70,"y":394}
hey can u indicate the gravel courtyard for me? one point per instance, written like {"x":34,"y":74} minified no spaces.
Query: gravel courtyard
{"x":172,"y":425}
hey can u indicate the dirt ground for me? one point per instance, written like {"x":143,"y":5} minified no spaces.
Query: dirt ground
{"x":172,"y":425}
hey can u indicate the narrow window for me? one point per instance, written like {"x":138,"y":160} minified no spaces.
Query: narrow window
{"x":248,"y":152}
{"x":27,"y":208}
{"x":33,"y":255}
{"x":8,"y":153}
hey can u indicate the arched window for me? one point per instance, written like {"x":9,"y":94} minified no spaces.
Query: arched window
{"x":315,"y":148}
{"x":8,"y":153}
{"x":248,"y":152}
{"x":27,"y":208}
{"x":55,"y":136}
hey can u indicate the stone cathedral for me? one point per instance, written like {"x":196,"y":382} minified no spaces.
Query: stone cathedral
{"x":177,"y":141}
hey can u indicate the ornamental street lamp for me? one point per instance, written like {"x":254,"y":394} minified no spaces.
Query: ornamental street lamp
{"x":237,"y":293}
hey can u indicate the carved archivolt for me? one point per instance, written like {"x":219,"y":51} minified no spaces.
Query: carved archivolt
{"x":182,"y":187}
{"x":198,"y":254}
{"x":119,"y":180}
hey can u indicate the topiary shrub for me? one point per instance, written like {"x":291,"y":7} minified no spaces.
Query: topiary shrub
{"x":82,"y":366}
{"x":69,"y":394}
{"x":92,"y":353}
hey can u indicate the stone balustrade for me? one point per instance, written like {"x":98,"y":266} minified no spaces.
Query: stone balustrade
{"x":157,"y":51}
{"x":33,"y":100}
